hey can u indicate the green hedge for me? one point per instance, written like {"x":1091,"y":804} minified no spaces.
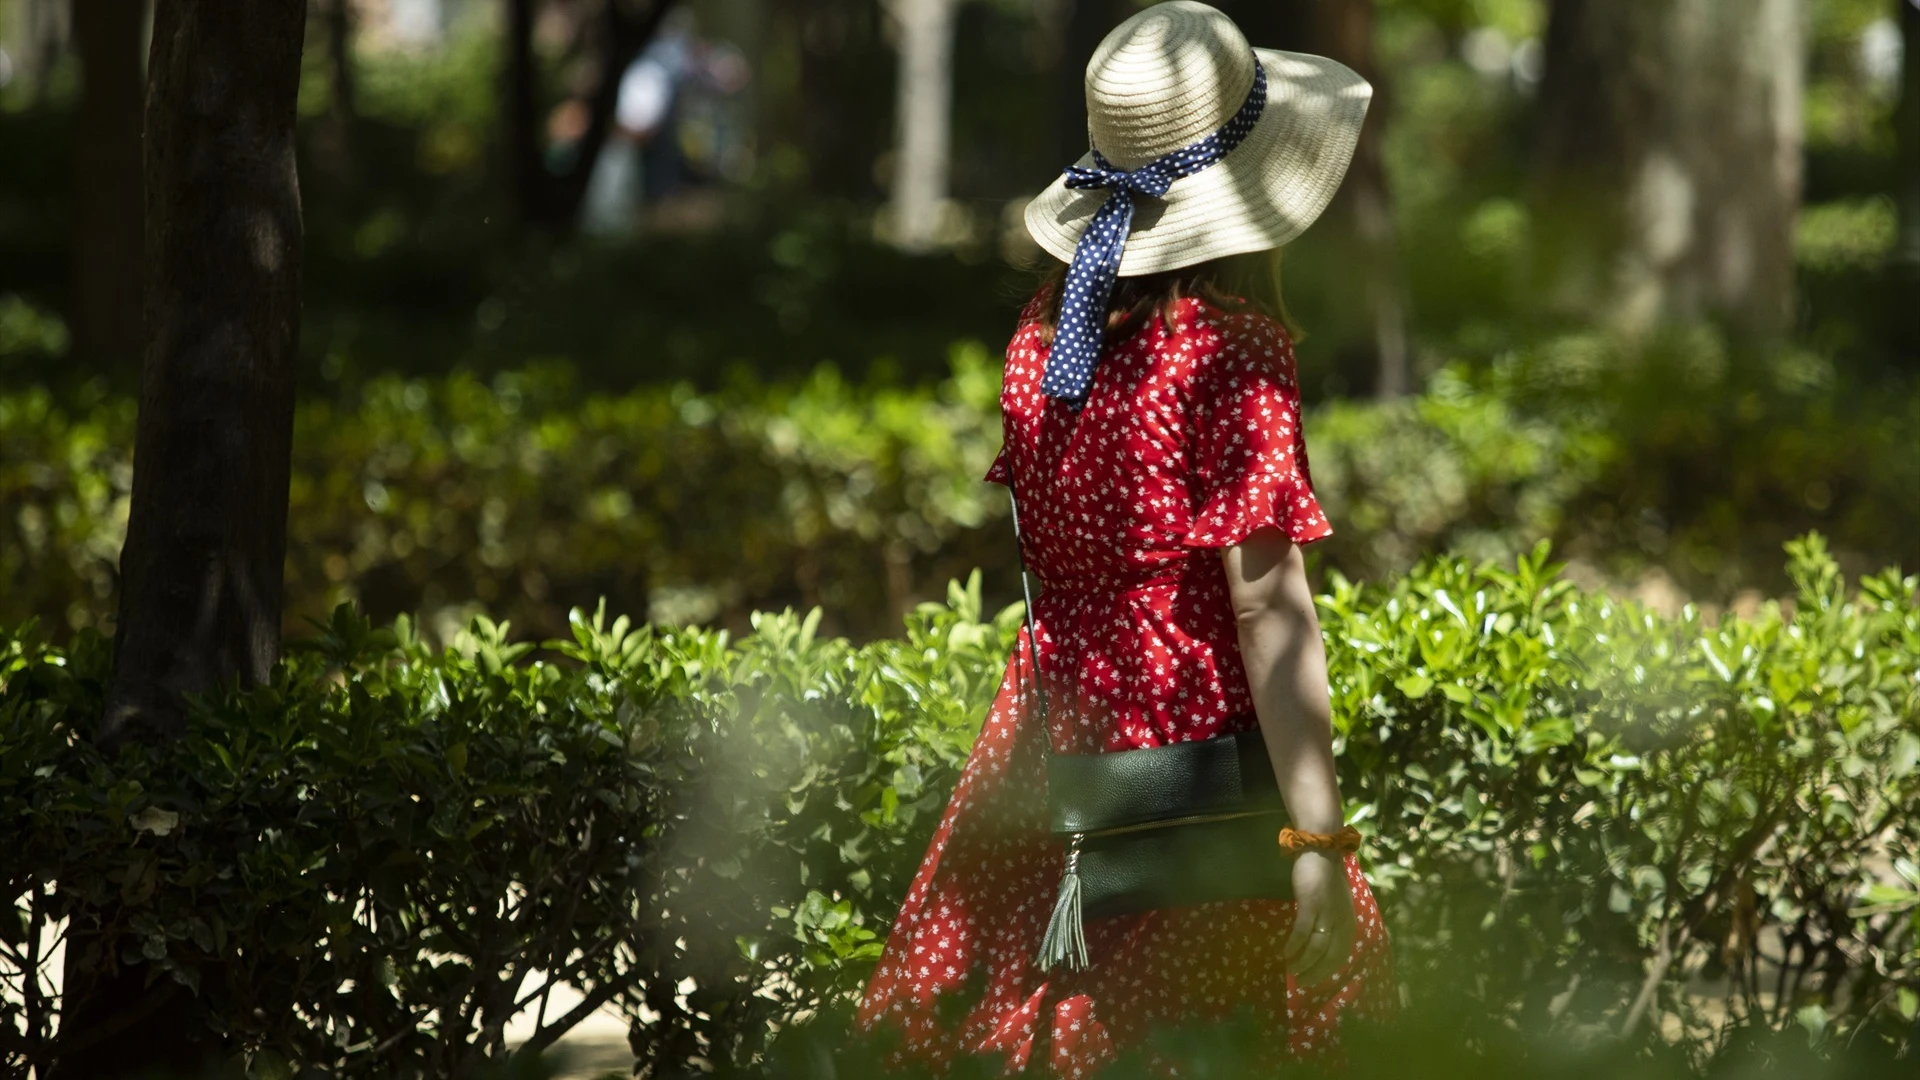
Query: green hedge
{"x":1712,"y":458}
{"x":527,"y":495}
{"x":1583,"y":818}
{"x":359,"y":867}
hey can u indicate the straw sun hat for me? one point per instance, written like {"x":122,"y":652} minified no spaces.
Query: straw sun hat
{"x":1173,"y":75}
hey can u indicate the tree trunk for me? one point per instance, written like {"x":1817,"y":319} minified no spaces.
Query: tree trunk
{"x":923,"y":119}
{"x":206,"y":535}
{"x":104,"y":312}
{"x":1669,"y":161}
{"x":526,"y":163}
{"x":817,"y":97}
{"x":333,"y":143}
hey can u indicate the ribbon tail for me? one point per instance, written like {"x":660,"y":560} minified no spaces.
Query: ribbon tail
{"x":1123,"y":228}
{"x":1096,"y":250}
{"x":1081,"y":334}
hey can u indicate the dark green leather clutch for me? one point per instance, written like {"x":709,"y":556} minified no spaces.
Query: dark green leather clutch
{"x":1090,"y":793}
{"x":1169,"y":826}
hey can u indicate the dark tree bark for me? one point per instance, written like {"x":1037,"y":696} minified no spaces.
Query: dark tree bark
{"x":206,"y":535}
{"x":838,"y":118}
{"x":526,"y":162}
{"x":1292,"y":25}
{"x":1669,"y":161}
{"x":336,"y":135}
{"x":105,"y":308}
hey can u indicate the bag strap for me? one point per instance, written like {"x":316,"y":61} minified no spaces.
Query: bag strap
{"x":1065,"y":941}
{"x":1026,"y":592}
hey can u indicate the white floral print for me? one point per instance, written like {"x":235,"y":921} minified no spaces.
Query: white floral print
{"x":1189,"y":440}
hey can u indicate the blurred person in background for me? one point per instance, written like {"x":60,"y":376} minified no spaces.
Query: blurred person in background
{"x":645,"y":160}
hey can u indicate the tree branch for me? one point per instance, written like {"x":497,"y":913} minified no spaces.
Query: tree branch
{"x":1651,"y":987}
{"x":99,"y":1033}
{"x":570,"y":971}
{"x":33,"y":1002}
{"x":601,"y":994}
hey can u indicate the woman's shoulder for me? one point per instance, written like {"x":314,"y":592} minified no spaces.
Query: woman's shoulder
{"x":1026,"y":351}
{"x":1226,"y":341}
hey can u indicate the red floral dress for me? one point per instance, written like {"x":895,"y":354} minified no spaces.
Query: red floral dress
{"x":1189,"y":441}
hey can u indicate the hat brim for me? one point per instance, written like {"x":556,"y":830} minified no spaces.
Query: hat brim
{"x":1261,"y":195}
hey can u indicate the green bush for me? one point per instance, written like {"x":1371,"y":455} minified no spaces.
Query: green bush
{"x":1640,"y":816}
{"x":1715,"y":456}
{"x":1584,"y":819}
{"x":527,"y":495}
{"x":65,"y":478}
{"x":1457,"y":469}
{"x":362,"y":867}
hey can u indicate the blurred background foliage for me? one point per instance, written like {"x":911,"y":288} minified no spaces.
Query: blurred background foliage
{"x":522,"y":381}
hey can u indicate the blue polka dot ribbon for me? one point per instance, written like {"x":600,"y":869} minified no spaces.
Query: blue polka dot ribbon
{"x":1081,"y":334}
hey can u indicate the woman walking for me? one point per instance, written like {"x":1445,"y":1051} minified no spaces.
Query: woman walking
{"x":1152,"y":445}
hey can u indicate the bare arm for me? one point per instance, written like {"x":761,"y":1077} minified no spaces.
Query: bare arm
{"x":1287,"y":672}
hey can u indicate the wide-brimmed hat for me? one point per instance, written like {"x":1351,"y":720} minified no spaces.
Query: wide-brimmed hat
{"x":1168,"y":78}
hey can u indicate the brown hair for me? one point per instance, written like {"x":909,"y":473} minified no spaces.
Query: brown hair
{"x":1236,"y":283}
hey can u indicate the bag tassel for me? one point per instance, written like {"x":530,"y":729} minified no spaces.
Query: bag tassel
{"x":1066,"y":938}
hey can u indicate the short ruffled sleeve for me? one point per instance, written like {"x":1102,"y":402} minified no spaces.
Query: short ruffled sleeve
{"x":997,"y":474}
{"x":1250,"y":462}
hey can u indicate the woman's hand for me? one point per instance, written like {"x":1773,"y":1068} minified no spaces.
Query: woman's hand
{"x":1322,"y":934}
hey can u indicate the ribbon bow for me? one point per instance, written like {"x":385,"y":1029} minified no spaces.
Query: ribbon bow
{"x":1081,"y":334}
